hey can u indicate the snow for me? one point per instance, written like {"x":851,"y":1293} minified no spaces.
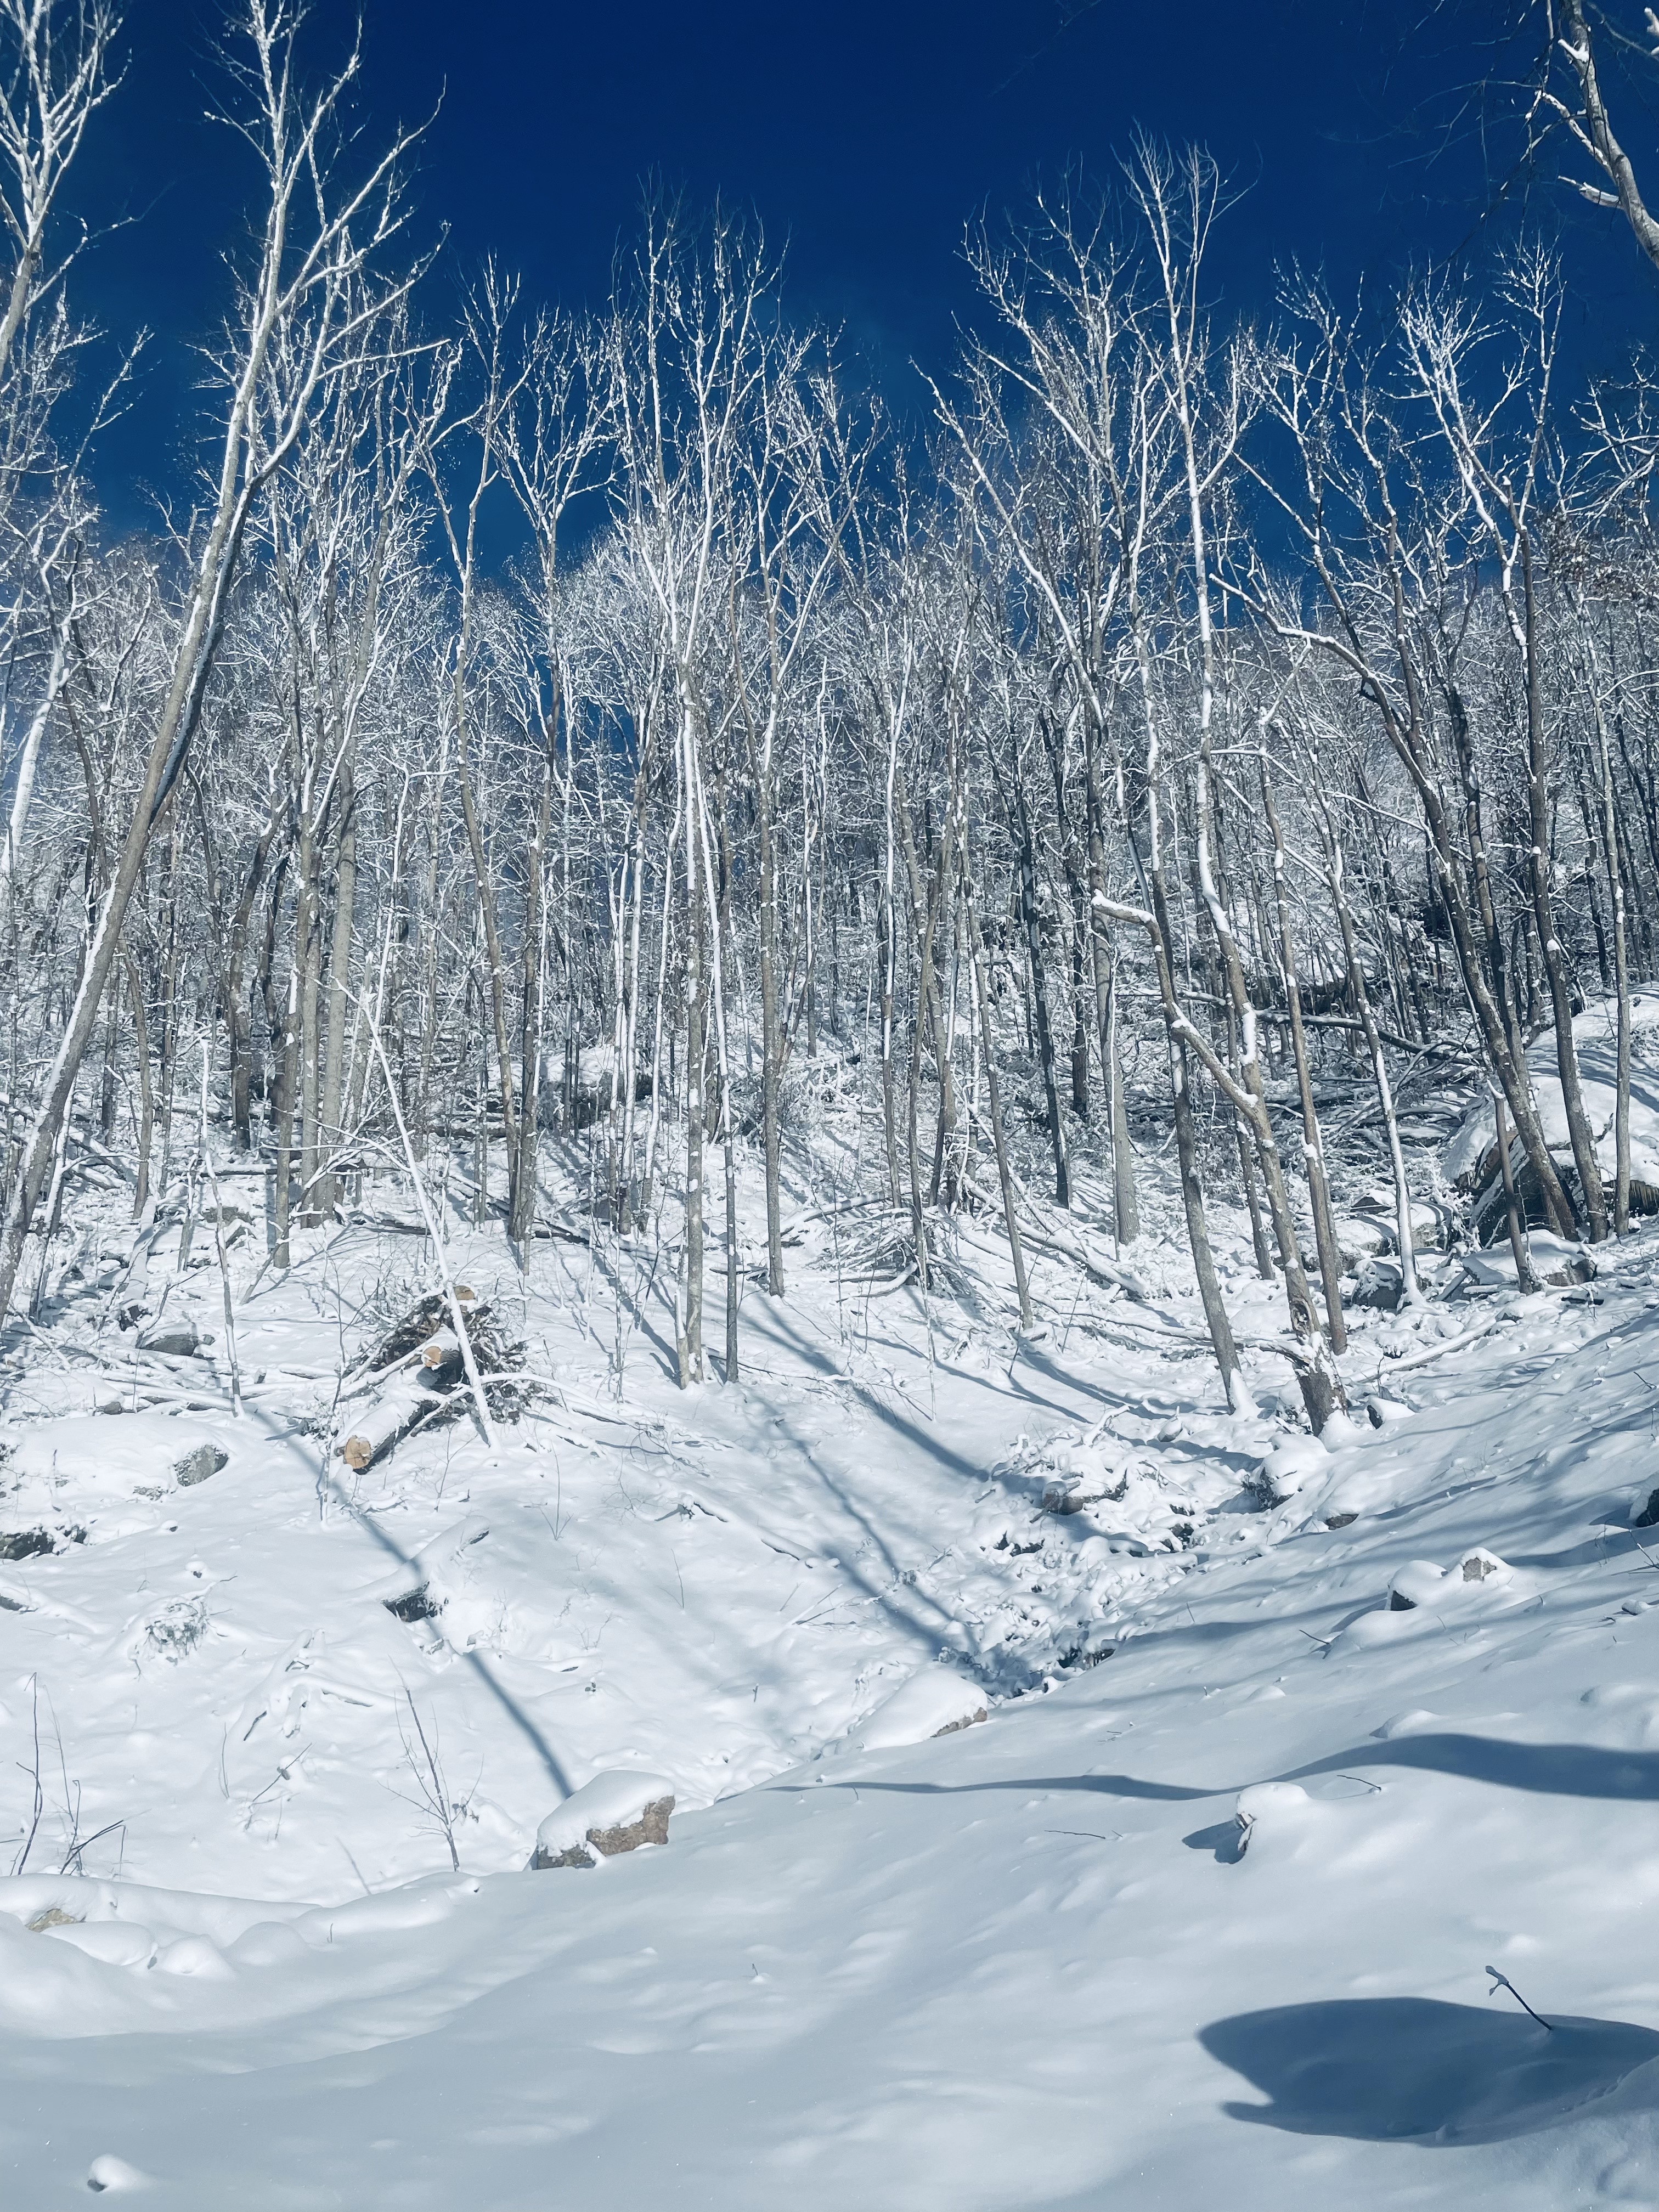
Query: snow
{"x":1200,"y":1913}
{"x":936,"y":1702}
{"x":1596,"y":1041}
{"x":1290,"y":1466}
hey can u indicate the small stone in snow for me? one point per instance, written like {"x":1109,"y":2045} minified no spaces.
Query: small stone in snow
{"x":173,"y":1340}
{"x":197,"y":1465}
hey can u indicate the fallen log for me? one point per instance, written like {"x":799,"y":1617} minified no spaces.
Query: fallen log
{"x":401,"y":1406}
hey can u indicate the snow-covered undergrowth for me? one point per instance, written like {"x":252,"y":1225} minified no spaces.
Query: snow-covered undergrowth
{"x":1287,"y":1743}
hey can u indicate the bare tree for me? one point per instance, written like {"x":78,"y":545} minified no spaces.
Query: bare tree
{"x":317,"y":250}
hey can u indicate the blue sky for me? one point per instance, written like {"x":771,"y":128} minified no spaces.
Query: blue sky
{"x":864,"y":133}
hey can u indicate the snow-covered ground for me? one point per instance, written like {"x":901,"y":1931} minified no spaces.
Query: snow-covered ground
{"x":1202,"y":1914}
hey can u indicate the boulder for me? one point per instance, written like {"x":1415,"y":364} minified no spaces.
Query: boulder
{"x":1644,"y":1510}
{"x":197,"y":1466}
{"x":173,"y":1339}
{"x":1381,"y":1286}
{"x":614,"y":1813}
{"x":1557,"y":1265}
{"x":414,"y":1605}
{"x":26,"y":1543}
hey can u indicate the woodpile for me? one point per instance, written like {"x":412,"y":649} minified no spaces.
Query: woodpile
{"x":416,"y":1372}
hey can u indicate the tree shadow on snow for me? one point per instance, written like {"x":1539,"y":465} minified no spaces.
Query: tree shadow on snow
{"x":1556,"y":1769}
{"x":1560,"y":1770}
{"x":1109,"y":1785}
{"x":1396,"y":2069}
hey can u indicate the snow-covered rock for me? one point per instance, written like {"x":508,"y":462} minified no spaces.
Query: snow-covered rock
{"x":172,"y":1339}
{"x":1266,"y":1805}
{"x":1418,"y":1582}
{"x":612,"y":1813}
{"x":1290,"y":1466}
{"x":936,"y":1702}
{"x":1470,"y":1160}
{"x":1421,"y":1583}
{"x":109,"y":2172}
{"x":1553,"y":1259}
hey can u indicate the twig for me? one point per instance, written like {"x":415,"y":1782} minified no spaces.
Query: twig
{"x":22,"y":1857}
{"x":1503,"y":1982}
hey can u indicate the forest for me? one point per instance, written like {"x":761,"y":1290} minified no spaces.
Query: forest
{"x":1189,"y":711}
{"x":878,"y":1151}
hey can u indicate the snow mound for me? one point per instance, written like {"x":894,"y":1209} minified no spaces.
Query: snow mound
{"x":109,"y":2172}
{"x":1269,"y":1798}
{"x":936,"y":1702}
{"x":1290,"y":1466}
{"x":83,"y":1458}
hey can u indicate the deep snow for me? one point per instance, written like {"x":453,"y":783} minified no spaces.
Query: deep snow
{"x":1053,"y":1960}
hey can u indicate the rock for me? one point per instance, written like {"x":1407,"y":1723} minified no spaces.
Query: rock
{"x":1357,"y":1241}
{"x":1557,"y":1265}
{"x":1418,"y":1582}
{"x":1341,"y":1520}
{"x":108,"y":2172}
{"x":1380,"y":1410}
{"x":26,"y":1543}
{"x":1289,"y":1466}
{"x":1070,"y":1493}
{"x":1645,"y":1515}
{"x":1421,"y":1583}
{"x":173,"y":1339}
{"x":198,"y":1465}
{"x":423,"y":1585}
{"x":51,"y":1917}
{"x":1381,"y":1286}
{"x":130,"y":1315}
{"x":1481,"y":1565}
{"x":612,"y":1813}
{"x":414,"y":1605}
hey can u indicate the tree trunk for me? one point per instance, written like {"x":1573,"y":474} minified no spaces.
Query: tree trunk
{"x":1319,"y":1191}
